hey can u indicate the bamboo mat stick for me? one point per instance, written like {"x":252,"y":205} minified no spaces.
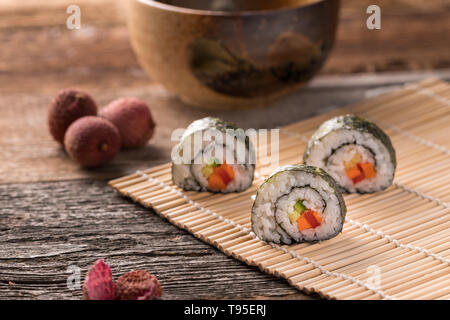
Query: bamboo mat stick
{"x":402,"y":232}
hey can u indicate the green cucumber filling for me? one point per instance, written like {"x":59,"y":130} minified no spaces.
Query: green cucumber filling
{"x":299,"y":208}
{"x":208,"y":169}
{"x":304,"y":217}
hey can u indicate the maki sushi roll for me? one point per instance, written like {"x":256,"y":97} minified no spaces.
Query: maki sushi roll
{"x":355,"y":152}
{"x":213,"y":155}
{"x":298,"y":203}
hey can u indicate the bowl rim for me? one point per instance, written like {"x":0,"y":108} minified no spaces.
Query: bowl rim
{"x":169,"y":7}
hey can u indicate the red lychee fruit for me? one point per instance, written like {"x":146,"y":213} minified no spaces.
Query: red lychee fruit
{"x":98,"y":284}
{"x":66,"y":107}
{"x":92,"y":141}
{"x":138,"y":285}
{"x":133,"y":119}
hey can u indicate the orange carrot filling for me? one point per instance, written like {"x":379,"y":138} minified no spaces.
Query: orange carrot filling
{"x":353,"y":173}
{"x":362,"y":170}
{"x":220,"y":176}
{"x":305,"y":218}
{"x":225,"y":172}
{"x":309,"y":219}
{"x":216,"y":182}
{"x":303,"y":224}
{"x":367,"y":169}
{"x":313,"y":218}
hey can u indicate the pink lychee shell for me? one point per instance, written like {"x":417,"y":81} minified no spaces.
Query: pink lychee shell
{"x":98,"y":284}
{"x":66,"y":107}
{"x":133,"y":119}
{"x":138,"y":285}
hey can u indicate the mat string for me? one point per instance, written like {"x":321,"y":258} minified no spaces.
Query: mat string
{"x":400,"y":185}
{"x":396,"y":242}
{"x":275,"y":246}
{"x":379,"y":232}
{"x":423,"y":195}
{"x":240,"y":234}
{"x":322,"y":269}
{"x":407,"y":134}
{"x":429,"y":93}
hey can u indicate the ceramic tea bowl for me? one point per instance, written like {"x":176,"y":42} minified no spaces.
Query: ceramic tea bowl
{"x":232,"y":53}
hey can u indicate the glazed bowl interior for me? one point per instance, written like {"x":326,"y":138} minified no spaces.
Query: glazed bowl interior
{"x":236,"y":5}
{"x":232,"y":53}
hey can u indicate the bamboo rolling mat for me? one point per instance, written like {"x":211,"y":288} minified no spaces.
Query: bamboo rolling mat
{"x":395,"y":244}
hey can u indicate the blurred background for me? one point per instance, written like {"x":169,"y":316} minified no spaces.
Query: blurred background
{"x":53,"y":213}
{"x":39,"y":56}
{"x":36,"y":43}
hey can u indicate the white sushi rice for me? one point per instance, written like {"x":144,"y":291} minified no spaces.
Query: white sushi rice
{"x":339,"y":146}
{"x":311,"y":199}
{"x":318,"y":196}
{"x":190,"y":176}
{"x":243,"y":177}
{"x":182,"y":177}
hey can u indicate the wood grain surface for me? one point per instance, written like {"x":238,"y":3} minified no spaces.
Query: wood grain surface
{"x":414,"y":35}
{"x":54,"y":214}
{"x":42,"y":235}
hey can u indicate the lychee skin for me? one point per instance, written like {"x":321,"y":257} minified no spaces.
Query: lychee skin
{"x":133,"y":119}
{"x":66,"y":107}
{"x":138,"y":285}
{"x":92,"y":141}
{"x":98,"y":284}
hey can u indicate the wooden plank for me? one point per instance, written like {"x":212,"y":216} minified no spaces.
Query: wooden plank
{"x":46,"y":227}
{"x":29,"y":153}
{"x":413,"y":36}
{"x":385,"y":229}
{"x":36,"y":43}
{"x":36,"y":14}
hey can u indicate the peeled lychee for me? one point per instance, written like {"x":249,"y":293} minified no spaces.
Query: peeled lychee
{"x":92,"y":141}
{"x":66,"y":107}
{"x":99,"y":284}
{"x":133,"y":119}
{"x":138,"y":285}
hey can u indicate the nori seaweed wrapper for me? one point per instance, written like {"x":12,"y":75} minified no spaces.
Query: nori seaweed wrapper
{"x":315,"y":172}
{"x":351,"y":122}
{"x":207,"y":124}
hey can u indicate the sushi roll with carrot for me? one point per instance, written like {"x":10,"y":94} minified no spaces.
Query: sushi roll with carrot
{"x":213,"y":155}
{"x":298,"y":203}
{"x":355,"y":152}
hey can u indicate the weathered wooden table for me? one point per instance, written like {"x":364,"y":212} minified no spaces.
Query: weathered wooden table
{"x":54,"y":214}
